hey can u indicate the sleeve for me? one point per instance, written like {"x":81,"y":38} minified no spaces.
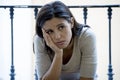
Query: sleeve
{"x":89,"y":54}
{"x":42,"y":60}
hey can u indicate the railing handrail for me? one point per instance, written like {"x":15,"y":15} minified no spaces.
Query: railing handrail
{"x":70,"y":6}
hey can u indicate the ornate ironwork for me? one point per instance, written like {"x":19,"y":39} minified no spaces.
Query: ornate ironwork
{"x":12,"y":74}
{"x":85,"y":15}
{"x":110,"y":73}
{"x":36,"y":12}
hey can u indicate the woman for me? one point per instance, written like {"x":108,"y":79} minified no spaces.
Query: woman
{"x":64,"y":49}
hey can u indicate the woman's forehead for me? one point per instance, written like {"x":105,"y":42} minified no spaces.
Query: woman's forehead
{"x":54,"y":22}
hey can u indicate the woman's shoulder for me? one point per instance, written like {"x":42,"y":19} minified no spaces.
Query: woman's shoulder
{"x":86,"y":31}
{"x":38,"y":44}
{"x":37,"y":40}
{"x":87,"y":36}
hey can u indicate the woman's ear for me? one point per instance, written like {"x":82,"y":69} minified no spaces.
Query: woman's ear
{"x":72,"y":22}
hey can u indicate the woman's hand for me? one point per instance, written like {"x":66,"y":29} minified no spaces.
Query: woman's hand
{"x":50,"y":43}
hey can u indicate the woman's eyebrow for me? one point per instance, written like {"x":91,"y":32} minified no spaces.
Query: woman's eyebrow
{"x":59,"y":24}
{"x":45,"y":29}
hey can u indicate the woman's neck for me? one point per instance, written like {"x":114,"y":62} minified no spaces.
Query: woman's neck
{"x":70,"y":46}
{"x":67,"y":52}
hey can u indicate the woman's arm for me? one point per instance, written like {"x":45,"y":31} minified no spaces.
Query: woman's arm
{"x":55,"y":69}
{"x":53,"y":73}
{"x":89,"y":55}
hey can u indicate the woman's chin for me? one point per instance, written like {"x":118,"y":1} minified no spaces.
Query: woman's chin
{"x":62,"y":47}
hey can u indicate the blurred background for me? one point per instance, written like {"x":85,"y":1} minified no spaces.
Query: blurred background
{"x":24,"y":29}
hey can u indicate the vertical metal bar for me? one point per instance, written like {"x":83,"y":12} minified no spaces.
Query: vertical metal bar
{"x":85,"y":15}
{"x":110,"y":74}
{"x":36,"y":12}
{"x":36,"y":76}
{"x":12,"y":74}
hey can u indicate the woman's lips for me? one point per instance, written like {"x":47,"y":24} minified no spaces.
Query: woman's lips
{"x":60,"y":43}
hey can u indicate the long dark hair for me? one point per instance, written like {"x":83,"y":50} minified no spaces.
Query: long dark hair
{"x":55,"y":9}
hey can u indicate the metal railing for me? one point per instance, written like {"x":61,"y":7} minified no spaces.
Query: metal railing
{"x":85,"y":9}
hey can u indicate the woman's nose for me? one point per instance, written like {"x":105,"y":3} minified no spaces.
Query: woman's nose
{"x":57,"y":35}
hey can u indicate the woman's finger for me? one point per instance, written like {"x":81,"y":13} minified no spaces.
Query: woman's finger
{"x":47,"y":38}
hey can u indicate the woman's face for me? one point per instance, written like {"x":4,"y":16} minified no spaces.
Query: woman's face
{"x":60,"y":31}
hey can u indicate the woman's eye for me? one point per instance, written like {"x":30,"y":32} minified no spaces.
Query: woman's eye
{"x":61,"y":27}
{"x":49,"y":31}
